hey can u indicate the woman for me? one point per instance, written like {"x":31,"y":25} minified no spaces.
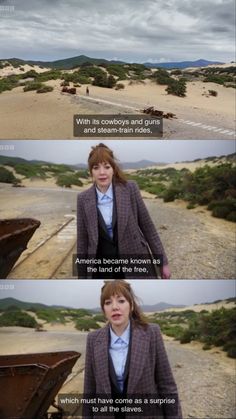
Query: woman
{"x":113,"y":222}
{"x":126,"y":359}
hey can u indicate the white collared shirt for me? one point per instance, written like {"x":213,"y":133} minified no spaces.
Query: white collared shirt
{"x":105,"y":205}
{"x":118,"y":351}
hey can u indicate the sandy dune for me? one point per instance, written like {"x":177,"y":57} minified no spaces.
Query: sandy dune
{"x":50,"y":115}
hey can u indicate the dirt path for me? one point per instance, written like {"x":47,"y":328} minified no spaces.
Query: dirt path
{"x":206,"y":382}
{"x":198,"y":245}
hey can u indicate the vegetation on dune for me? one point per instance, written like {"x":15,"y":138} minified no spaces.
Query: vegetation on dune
{"x":212,"y":186}
{"x":7,"y":177}
{"x":8,"y":83}
{"x":51,"y":315}
{"x":64,"y":174}
{"x":175,"y":87}
{"x":30,"y":170}
{"x":17,"y":318}
{"x":68,"y":179}
{"x":45,"y":89}
{"x":33,"y":85}
{"x":86,"y":324}
{"x":216,"y":328}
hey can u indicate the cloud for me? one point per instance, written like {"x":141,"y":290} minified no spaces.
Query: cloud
{"x":132,"y":29}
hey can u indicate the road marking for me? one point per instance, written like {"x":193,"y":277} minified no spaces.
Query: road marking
{"x":208,"y":127}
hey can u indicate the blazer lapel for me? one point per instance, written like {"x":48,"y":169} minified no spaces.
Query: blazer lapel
{"x":122,"y":206}
{"x":139,"y":353}
{"x":101,"y":348}
{"x":90,"y":206}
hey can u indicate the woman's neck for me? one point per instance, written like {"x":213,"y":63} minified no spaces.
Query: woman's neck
{"x":119,"y":330}
{"x":103,"y":189}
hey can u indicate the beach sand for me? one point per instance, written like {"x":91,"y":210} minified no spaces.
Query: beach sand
{"x":50,"y":115}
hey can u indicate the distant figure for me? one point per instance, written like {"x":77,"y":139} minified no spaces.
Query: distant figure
{"x":87,"y":91}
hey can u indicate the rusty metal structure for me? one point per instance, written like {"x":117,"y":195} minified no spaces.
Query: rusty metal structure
{"x":14,"y":236}
{"x":30,"y":382}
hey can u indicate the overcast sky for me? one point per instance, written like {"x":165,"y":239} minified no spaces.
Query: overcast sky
{"x":76,"y":151}
{"x":78,"y":294}
{"x":129,"y":30}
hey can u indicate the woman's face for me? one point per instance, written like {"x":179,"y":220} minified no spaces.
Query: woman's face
{"x":102,"y":174}
{"x":117,"y":311}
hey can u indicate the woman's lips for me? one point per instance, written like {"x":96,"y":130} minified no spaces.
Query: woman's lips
{"x":116,"y":316}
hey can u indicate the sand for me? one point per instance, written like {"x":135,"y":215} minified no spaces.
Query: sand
{"x":50,"y":115}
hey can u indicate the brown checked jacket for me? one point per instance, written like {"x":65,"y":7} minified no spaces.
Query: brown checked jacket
{"x":136,"y":231}
{"x":149,"y":372}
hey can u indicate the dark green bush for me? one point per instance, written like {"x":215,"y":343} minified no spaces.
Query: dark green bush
{"x":68,"y":179}
{"x":219,"y":79}
{"x":177,"y":88}
{"x":45,"y":89}
{"x":7,"y":177}
{"x":30,"y":171}
{"x":162,"y":77}
{"x":17,"y":318}
{"x":86,"y":324}
{"x":34,"y":85}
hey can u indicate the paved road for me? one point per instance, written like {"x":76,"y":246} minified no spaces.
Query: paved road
{"x":209,"y":127}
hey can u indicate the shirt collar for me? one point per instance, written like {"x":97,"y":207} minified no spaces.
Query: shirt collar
{"x":108,"y":193}
{"x":124,"y":337}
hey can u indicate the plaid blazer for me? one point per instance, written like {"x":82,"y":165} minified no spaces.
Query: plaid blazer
{"x":149,"y":368}
{"x":136,"y":230}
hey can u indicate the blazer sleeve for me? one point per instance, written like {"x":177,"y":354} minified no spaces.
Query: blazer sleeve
{"x":164,"y":379}
{"x":82,"y":237}
{"x":147,"y":226}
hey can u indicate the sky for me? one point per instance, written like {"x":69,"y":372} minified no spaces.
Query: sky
{"x":76,"y":151}
{"x":86,"y":293}
{"x":127,"y":30}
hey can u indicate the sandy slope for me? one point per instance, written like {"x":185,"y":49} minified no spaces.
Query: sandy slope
{"x":50,"y":115}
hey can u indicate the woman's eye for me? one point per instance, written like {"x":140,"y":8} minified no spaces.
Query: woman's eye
{"x":107,"y":302}
{"x":121,"y":300}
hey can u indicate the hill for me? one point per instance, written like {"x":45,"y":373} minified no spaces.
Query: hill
{"x":6,"y":303}
{"x":70,"y":63}
{"x":183,"y":64}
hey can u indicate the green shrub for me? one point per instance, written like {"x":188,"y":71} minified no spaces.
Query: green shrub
{"x":17,"y":318}
{"x":117,"y":70}
{"x":99,"y":318}
{"x":29,"y":74}
{"x":34,"y":85}
{"x":45,"y":89}
{"x":206,"y":347}
{"x":177,"y":88}
{"x":219,"y":79}
{"x":68,"y":179}
{"x":162,"y":77}
{"x":86,"y":324}
{"x":171,"y":194}
{"x":176,"y":72}
{"x":8,"y":83}
{"x":231,"y":216}
{"x":51,"y":315}
{"x":191,"y":206}
{"x":230,"y":348}
{"x":30,"y":171}
{"x":7,"y":177}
